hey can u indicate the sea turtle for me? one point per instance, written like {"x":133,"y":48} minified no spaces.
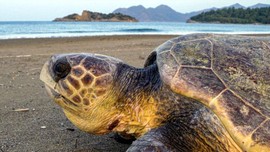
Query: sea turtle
{"x":198,"y":92}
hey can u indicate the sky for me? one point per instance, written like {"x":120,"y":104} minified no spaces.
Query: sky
{"x":47,"y":10}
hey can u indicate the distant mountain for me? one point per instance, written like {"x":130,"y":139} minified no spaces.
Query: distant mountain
{"x":199,"y":12}
{"x":259,"y":5}
{"x":88,"y":16}
{"x":236,"y":5}
{"x":164,"y":13}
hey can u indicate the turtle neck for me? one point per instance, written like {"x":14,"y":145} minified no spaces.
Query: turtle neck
{"x":135,"y":90}
{"x":130,"y":79}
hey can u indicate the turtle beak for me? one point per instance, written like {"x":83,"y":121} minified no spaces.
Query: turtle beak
{"x":46,"y":77}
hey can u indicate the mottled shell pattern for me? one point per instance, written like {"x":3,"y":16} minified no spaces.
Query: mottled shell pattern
{"x":227,"y":73}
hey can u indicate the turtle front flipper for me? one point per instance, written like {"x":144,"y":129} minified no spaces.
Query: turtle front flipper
{"x":170,"y":138}
{"x":155,"y":140}
{"x":190,"y":129}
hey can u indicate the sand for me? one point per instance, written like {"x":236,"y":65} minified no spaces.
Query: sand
{"x":29,"y":119}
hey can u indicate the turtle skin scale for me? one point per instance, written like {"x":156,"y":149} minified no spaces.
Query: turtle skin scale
{"x":230,"y":75}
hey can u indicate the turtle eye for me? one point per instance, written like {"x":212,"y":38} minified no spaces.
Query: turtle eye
{"x":61,"y":69}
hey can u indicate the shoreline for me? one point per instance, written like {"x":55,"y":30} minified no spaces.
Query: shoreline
{"x":130,"y":35}
{"x":94,"y":36}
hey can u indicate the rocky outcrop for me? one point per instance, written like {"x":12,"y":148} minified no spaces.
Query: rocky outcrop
{"x":88,"y":16}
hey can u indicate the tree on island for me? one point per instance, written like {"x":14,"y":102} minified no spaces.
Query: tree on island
{"x":233,"y":15}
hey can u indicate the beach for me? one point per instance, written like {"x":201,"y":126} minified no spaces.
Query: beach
{"x":30,"y":120}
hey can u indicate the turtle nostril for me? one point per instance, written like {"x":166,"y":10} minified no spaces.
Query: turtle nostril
{"x":61,"y":69}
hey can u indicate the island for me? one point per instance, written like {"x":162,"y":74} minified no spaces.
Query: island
{"x":88,"y":16}
{"x":234,"y":15}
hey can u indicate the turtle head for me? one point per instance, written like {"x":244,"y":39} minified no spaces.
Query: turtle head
{"x":82,"y":84}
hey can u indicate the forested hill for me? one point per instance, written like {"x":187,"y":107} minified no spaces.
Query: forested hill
{"x":233,"y":15}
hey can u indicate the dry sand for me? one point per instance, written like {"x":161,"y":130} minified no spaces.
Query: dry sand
{"x":40,"y":125}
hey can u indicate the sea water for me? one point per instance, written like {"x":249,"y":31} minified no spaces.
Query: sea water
{"x":13,"y":30}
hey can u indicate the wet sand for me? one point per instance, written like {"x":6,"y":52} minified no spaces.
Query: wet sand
{"x":40,"y":124}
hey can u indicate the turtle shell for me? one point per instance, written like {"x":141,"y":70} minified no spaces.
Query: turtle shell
{"x":230,"y":75}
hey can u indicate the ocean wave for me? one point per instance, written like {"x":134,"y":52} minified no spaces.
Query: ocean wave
{"x":215,"y":30}
{"x":82,"y":31}
{"x":140,"y":30}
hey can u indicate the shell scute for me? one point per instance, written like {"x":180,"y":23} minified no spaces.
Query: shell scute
{"x":262,"y":135}
{"x":165,"y":47}
{"x":244,"y":65}
{"x":191,"y":37}
{"x":168,"y":65}
{"x":201,"y":84}
{"x":195,"y":53}
{"x":244,"y":119}
{"x":235,"y":85}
